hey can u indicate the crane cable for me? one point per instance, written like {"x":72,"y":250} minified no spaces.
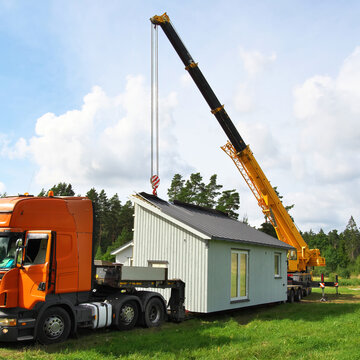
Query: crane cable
{"x":154,"y":179}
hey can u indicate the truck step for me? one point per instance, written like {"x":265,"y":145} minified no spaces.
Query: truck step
{"x":23,"y":338}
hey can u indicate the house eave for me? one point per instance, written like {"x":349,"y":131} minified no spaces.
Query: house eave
{"x":257,"y":243}
{"x":122,"y":248}
{"x":139,"y":200}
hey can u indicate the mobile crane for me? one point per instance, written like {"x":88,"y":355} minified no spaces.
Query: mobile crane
{"x":299,"y":261}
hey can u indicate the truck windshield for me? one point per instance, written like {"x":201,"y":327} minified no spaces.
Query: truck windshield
{"x":7,"y":251}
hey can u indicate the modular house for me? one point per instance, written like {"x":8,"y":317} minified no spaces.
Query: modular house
{"x":124,"y":254}
{"x":224,"y":263}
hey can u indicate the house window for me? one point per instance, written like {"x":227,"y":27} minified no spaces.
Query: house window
{"x":277,"y":261}
{"x":239,"y":275}
{"x":158,"y":263}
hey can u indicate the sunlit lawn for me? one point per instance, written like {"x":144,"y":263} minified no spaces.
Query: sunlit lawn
{"x":307,"y":330}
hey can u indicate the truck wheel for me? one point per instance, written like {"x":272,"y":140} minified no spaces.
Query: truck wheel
{"x":298,"y":295}
{"x":53,"y":326}
{"x":291,"y":297}
{"x":308,"y":291}
{"x":154,"y":313}
{"x":128,"y":315}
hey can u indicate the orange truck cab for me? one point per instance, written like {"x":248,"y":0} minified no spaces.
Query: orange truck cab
{"x":48,"y":282}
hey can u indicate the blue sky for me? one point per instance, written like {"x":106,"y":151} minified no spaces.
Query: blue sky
{"x":75,"y":87}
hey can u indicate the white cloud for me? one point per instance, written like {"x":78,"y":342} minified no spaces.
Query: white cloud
{"x":254,"y":61}
{"x":105,"y":143}
{"x":17,"y":151}
{"x":327,"y":158}
{"x":328,"y":112}
{"x":185,"y":79}
{"x":262,"y":143}
{"x":244,"y":98}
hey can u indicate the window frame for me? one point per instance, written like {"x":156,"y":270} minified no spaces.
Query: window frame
{"x":277,"y":259}
{"x":158,"y":264}
{"x":238,"y":296}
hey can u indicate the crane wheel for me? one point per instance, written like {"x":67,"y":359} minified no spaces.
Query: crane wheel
{"x":291,"y":297}
{"x":298,"y":295}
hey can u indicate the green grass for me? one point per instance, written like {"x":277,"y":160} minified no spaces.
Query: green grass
{"x":354,"y":281}
{"x":306,"y":330}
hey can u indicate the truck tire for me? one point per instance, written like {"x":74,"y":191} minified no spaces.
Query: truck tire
{"x":127,"y":316}
{"x":154,"y":313}
{"x":54,"y":326}
{"x":308,"y":291}
{"x":291,"y":297}
{"x":298,"y":295}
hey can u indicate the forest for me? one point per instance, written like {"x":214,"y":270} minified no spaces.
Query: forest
{"x":113,"y":221}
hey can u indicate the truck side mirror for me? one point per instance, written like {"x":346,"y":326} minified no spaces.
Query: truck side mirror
{"x":19,"y":244}
{"x":19,"y":251}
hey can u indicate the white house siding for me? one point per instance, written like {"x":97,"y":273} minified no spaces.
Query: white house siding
{"x":263,"y":287}
{"x":156,"y":238}
{"x":124,"y":256}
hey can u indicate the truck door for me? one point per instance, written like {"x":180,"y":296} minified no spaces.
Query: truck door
{"x":38,"y":269}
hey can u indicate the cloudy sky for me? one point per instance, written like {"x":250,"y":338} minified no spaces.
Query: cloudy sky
{"x":75,"y":98}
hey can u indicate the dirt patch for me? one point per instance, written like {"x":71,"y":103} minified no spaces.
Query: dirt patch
{"x":340,"y":298}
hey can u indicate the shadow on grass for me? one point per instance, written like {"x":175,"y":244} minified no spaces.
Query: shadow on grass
{"x":209,"y":331}
{"x":309,"y":309}
{"x":169,"y":341}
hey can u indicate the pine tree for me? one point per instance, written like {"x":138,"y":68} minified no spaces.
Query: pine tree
{"x":194,"y":190}
{"x":352,"y":235}
{"x":229,"y":202}
{"x":212,"y":192}
{"x":42,"y":193}
{"x":63,"y":189}
{"x":94,"y":197}
{"x":103,"y":215}
{"x":176,"y":187}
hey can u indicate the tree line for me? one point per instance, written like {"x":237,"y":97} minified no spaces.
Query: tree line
{"x":196,"y":191}
{"x":113,"y":221}
{"x":341,"y":250}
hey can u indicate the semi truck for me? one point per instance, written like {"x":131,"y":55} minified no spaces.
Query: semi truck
{"x":50,"y":285}
{"x":300,"y":260}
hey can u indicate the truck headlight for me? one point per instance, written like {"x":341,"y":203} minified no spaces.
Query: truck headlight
{"x":7,"y":322}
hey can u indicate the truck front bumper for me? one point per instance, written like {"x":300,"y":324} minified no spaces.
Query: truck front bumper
{"x":12,"y":329}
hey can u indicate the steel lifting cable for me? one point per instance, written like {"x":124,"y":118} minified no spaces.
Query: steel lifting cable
{"x":154,"y":178}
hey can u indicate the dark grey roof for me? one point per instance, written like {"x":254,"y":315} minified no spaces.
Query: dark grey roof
{"x":213,"y":223}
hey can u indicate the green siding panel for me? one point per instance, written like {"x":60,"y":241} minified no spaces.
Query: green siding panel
{"x":263,"y":286}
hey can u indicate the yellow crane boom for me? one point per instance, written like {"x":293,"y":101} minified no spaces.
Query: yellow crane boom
{"x":245,"y":161}
{"x":274,"y":210}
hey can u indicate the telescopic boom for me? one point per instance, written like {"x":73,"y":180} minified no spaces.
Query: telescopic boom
{"x":245,"y":161}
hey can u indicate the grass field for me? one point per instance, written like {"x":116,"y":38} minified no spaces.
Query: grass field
{"x":306,"y":330}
